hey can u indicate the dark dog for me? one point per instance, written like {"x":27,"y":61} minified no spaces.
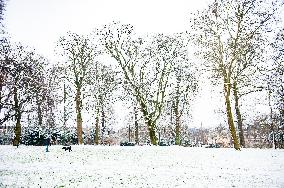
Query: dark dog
{"x":67,"y":148}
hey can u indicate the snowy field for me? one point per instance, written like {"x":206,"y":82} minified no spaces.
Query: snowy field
{"x":140,"y":166}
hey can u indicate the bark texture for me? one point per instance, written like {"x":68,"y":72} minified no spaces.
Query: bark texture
{"x":18,"y":115}
{"x":230,"y":115}
{"x":97,"y":128}
{"x":79,"y":116}
{"x":136,"y":126}
{"x":239,"y":116}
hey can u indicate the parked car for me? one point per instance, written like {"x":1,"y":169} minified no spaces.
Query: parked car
{"x":162,"y":143}
{"x":187,"y":144}
{"x":212,"y":146}
{"x":217,"y":146}
{"x":144,"y":144}
{"x":127,"y":143}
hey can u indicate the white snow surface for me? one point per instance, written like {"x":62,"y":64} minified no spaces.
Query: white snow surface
{"x":140,"y":166}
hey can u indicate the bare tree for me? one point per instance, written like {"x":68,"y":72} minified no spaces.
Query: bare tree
{"x":228,"y":32}
{"x":22,"y":68}
{"x":183,"y":83}
{"x":276,"y":81}
{"x":246,"y":78}
{"x":79,"y":53}
{"x":146,"y":66}
{"x":102,"y":83}
{"x":275,"y":87}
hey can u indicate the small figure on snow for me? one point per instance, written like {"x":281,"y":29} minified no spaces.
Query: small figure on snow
{"x":47,"y":143}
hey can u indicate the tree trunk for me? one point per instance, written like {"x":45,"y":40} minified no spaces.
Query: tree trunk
{"x":230,"y":116}
{"x":103,"y":125}
{"x":18,"y":128}
{"x":177,"y":138}
{"x":1,"y":85}
{"x":79,"y":116}
{"x":176,"y":110}
{"x":97,"y":128}
{"x":50,"y":120}
{"x":64,"y":108}
{"x":129,"y":133}
{"x":18,"y":114}
{"x":239,"y":117}
{"x":136,"y":126}
{"x":177,"y":129}
{"x":271,"y":119}
{"x":39,"y":111}
{"x":149,"y":122}
{"x":152,"y":132}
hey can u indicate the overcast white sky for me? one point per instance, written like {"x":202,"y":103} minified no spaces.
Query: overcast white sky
{"x":40,"y":23}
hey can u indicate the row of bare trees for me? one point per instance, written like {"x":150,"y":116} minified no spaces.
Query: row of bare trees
{"x":234,"y":40}
{"x":150,"y":69}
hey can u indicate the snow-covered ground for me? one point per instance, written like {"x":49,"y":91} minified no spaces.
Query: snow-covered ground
{"x":140,"y":166}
